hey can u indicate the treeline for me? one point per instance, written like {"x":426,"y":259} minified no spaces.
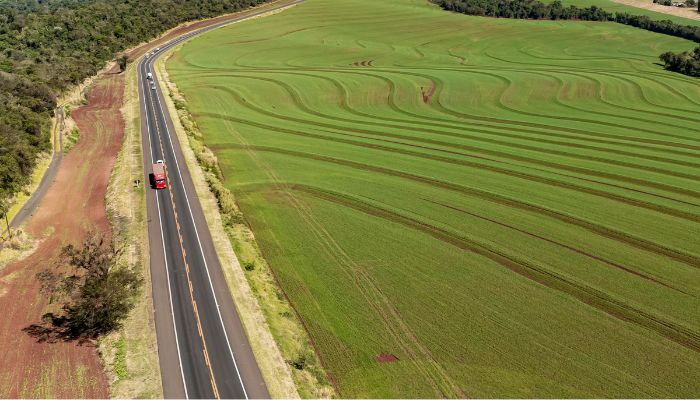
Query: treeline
{"x":534,"y":9}
{"x":46,"y":46}
{"x":687,"y":62}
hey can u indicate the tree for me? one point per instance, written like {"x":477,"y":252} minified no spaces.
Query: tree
{"x":687,"y":62}
{"x":4,"y":210}
{"x":97,"y":294}
{"x":122,"y":60}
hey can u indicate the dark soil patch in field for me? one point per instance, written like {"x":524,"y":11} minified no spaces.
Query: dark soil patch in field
{"x":364,"y":63}
{"x":386,"y":358}
{"x":428,"y":92}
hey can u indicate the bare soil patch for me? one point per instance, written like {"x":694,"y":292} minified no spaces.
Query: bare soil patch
{"x":685,"y":12}
{"x":74,"y":204}
{"x":428,"y":92}
{"x":386,"y":358}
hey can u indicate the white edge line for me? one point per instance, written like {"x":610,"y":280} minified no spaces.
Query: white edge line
{"x":177,"y":165}
{"x":165,"y":256}
{"x":206,"y":267}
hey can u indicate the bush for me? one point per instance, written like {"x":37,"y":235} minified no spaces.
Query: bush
{"x":122,"y":61}
{"x":687,"y":62}
{"x":248,"y":266}
{"x":299,"y":362}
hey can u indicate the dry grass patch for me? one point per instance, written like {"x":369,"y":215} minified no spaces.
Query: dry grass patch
{"x":130,"y":355}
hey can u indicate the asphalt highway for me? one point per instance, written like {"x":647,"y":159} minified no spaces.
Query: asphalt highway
{"x":202,"y":346}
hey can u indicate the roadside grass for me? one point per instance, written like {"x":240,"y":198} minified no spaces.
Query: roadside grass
{"x":507,"y":207}
{"x":130,"y":355}
{"x":16,"y":248}
{"x":71,"y":140}
{"x":275,"y":338}
{"x":22,"y":197}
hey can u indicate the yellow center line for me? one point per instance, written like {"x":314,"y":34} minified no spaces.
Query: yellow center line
{"x":212,"y":379}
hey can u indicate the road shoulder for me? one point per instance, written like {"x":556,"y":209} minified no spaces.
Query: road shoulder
{"x":130,"y":355}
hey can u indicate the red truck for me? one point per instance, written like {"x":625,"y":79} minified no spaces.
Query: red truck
{"x":158,"y":175}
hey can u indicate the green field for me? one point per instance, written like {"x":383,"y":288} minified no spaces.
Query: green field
{"x":509,"y":207}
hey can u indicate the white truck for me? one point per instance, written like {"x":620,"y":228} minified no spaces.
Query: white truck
{"x":149,"y":76}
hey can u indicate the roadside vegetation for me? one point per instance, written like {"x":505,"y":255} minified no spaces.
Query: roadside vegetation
{"x":130,"y":354}
{"x":459,"y":206}
{"x":50,"y":46}
{"x":71,"y":140}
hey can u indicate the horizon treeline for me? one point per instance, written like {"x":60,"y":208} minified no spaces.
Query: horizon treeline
{"x":686,"y":62}
{"x":535,"y":9}
{"x":47,"y":46}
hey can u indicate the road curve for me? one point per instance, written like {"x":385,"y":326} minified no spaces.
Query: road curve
{"x":202,"y":346}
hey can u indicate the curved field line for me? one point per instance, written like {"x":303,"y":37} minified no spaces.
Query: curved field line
{"x":601,"y":230}
{"x":383,"y":123}
{"x":530,"y":270}
{"x":443,"y":185}
{"x":655,"y":185}
{"x":345,"y":106}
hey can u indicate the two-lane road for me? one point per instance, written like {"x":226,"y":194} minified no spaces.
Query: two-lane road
{"x":203,"y":349}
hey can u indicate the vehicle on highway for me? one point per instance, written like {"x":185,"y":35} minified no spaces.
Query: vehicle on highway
{"x":153,"y":86}
{"x":158,"y":180}
{"x":149,"y":76}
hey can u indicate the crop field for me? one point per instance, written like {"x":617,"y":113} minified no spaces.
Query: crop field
{"x":464,"y":206}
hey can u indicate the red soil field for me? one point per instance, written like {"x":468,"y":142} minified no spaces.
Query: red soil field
{"x":74,"y":204}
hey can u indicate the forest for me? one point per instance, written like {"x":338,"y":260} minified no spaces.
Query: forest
{"x":47,"y":46}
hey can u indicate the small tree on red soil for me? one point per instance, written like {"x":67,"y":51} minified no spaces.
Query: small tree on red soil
{"x":122,"y":60}
{"x":4,"y":210}
{"x":97,"y":294}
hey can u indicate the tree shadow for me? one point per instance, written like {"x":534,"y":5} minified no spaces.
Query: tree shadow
{"x":54,"y":329}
